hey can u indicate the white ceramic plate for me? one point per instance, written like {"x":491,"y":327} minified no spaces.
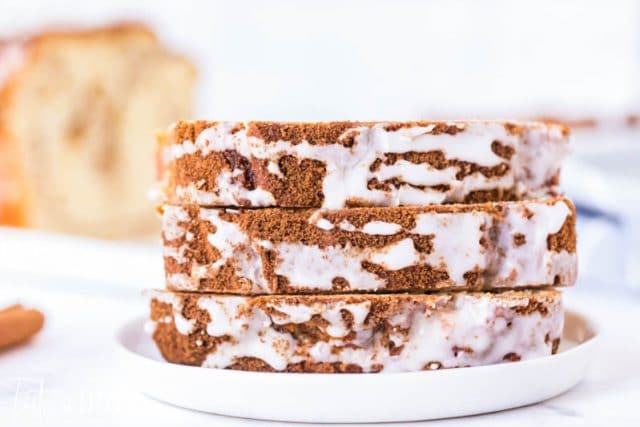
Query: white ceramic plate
{"x":358,"y":397}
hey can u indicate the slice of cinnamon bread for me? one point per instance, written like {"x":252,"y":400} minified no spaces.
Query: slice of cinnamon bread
{"x":78,"y":113}
{"x":355,"y":333}
{"x":277,"y":250}
{"x":344,"y":164}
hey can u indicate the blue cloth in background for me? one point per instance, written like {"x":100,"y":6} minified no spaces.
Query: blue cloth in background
{"x":606,"y":254}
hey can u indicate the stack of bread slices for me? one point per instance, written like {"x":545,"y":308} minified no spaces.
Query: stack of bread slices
{"x":362,"y":246}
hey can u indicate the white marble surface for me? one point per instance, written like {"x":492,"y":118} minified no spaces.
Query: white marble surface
{"x":69,"y":375}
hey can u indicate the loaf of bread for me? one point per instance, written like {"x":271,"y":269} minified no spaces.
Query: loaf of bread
{"x":78,"y":114}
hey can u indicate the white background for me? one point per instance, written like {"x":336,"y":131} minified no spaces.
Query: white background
{"x":329,"y":59}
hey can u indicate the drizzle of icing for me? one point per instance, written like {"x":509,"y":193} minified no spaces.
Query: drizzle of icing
{"x":538,"y":153}
{"x":461,"y":242}
{"x":450,"y":331}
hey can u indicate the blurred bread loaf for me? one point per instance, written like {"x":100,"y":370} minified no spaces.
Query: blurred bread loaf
{"x":78,"y":112}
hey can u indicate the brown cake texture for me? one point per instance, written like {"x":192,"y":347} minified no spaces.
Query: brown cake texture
{"x":355,"y":333}
{"x":285,"y":251}
{"x":344,"y":164}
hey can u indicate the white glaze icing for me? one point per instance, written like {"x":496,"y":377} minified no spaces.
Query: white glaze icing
{"x":471,"y":330}
{"x":538,"y":153}
{"x":171,"y":218}
{"x":346,"y":226}
{"x":381,"y":228}
{"x":180,"y":281}
{"x":298,"y":313}
{"x":224,"y":315}
{"x":396,"y":256}
{"x":416,"y":173}
{"x":320,"y":222}
{"x":252,"y":337}
{"x":174,"y":252}
{"x":532,"y":263}
{"x":274,"y":169}
{"x":324,"y":224}
{"x":314,"y":267}
{"x":456,"y":241}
